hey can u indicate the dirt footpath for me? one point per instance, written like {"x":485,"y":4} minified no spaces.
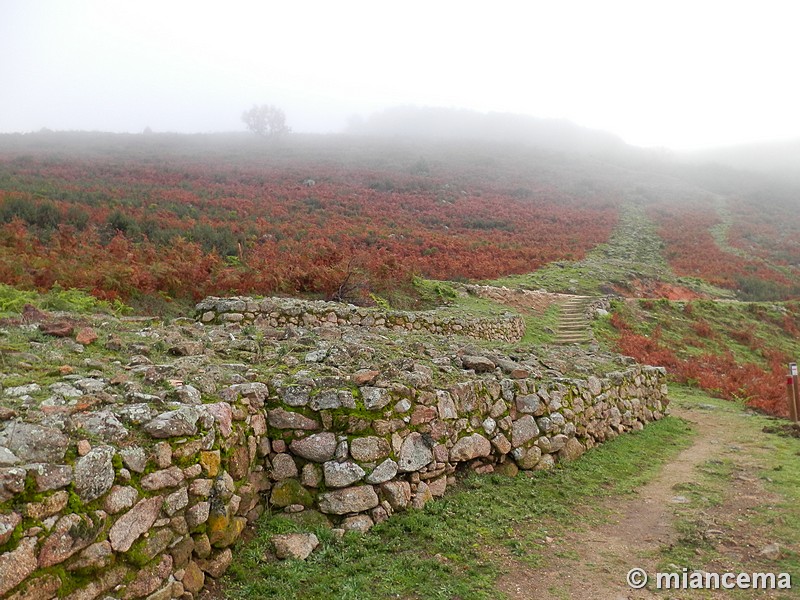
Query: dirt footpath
{"x":593,"y":563}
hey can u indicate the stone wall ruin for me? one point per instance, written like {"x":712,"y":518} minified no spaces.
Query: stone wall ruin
{"x":156,"y":514}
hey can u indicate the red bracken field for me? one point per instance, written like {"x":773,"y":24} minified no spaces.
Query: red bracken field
{"x":130,"y":217}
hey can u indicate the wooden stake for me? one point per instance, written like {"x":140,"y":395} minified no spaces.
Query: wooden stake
{"x":796,"y":391}
{"x":791,"y":399}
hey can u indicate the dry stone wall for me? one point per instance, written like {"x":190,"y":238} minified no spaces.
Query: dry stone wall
{"x":156,"y":517}
{"x":279,"y":312}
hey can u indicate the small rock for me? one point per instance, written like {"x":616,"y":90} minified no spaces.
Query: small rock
{"x":364,"y":376}
{"x":290,"y":491}
{"x":57,"y":329}
{"x":12,"y":482}
{"x":572,"y":450}
{"x":48,"y":507}
{"x":134,"y":523}
{"x":319,"y":447}
{"x":187,"y":348}
{"x":383,"y":472}
{"x":95,"y":556}
{"x":50,"y":477}
{"x":7,"y":413}
{"x":217,"y":565}
{"x":415,"y":453}
{"x":197,"y":515}
{"x":7,"y":457}
{"x":94,"y":473}
{"x":369,"y":449}
{"x":188,"y":394}
{"x":165,"y":478}
{"x":8,"y":523}
{"x":22,"y":390}
{"x":771,"y":552}
{"x":523,"y":430}
{"x":422,"y":496}
{"x":469,"y":447}
{"x":397,"y":493}
{"x":358,"y":523}
{"x":342,"y":474}
{"x":375,"y":398}
{"x":283,"y":467}
{"x":150,"y":578}
{"x":294,"y":545}
{"x":103,"y":424}
{"x":65,"y":390}
{"x":120,"y":498}
{"x":479,"y":364}
{"x":283,"y":419}
{"x":134,"y":457}
{"x":193,"y":578}
{"x":174,"y":423}
{"x":86,"y":336}
{"x":71,"y":534}
{"x":17,"y":564}
{"x":348,"y":500}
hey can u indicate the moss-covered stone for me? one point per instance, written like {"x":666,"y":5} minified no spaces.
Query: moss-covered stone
{"x":223,"y":537}
{"x":288,"y":492}
{"x":210,"y":460}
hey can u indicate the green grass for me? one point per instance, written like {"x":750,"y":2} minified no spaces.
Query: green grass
{"x":541,"y":329}
{"x":455,"y":546}
{"x":13,"y":300}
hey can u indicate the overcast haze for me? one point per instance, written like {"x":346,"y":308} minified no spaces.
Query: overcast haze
{"x":675,"y":74}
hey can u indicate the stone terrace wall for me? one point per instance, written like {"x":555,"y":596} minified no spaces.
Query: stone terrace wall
{"x":155,"y":518}
{"x":278,"y":312}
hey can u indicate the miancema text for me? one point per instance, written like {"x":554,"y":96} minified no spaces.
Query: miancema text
{"x":701,"y":580}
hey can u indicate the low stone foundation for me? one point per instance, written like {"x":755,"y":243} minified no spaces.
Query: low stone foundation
{"x":279,"y":312}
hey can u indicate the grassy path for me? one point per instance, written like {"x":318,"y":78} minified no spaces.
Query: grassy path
{"x":632,"y":256}
{"x":711,"y":508}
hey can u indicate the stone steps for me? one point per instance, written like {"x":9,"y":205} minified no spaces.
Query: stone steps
{"x":573,"y":326}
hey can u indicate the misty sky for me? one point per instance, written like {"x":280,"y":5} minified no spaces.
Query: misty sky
{"x":681,"y":74}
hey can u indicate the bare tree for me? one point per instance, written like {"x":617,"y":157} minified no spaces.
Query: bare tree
{"x":352,"y":287}
{"x":266,"y":120}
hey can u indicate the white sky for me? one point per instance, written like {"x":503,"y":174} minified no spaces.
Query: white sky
{"x":674,"y":73}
